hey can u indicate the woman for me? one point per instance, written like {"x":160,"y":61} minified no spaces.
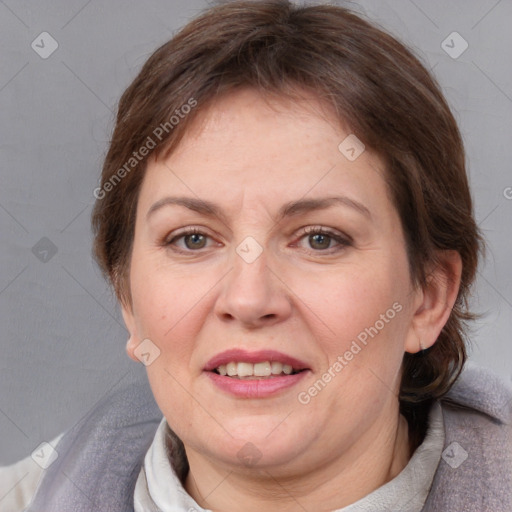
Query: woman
{"x":285,"y":217}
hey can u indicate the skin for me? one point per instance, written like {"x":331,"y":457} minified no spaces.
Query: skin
{"x":251,"y":155}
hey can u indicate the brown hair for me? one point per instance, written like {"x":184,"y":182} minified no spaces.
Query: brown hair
{"x":374,"y":85}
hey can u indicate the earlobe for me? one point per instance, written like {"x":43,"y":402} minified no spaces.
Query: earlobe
{"x":437,"y":300}
{"x":131,"y":345}
{"x":132,"y":342}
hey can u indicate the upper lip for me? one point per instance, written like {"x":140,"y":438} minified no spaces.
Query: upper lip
{"x":245,"y":356}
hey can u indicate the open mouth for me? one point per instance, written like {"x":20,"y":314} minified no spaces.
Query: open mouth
{"x":251,"y":374}
{"x":256,"y":371}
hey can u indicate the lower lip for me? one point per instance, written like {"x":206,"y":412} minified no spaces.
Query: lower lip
{"x":256,"y":388}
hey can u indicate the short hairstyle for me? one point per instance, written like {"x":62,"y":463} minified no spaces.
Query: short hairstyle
{"x":371,"y":82}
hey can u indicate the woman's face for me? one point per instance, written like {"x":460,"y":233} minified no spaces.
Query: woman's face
{"x":295,"y":262}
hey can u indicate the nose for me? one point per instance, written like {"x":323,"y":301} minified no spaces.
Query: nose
{"x":253,"y":294}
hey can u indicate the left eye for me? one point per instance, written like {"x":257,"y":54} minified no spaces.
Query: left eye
{"x":320,"y":239}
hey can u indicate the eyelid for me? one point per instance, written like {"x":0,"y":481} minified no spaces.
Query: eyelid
{"x":187,"y":230}
{"x":308,"y":230}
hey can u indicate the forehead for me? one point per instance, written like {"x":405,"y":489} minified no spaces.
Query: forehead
{"x":266,"y":149}
{"x":247,"y":120}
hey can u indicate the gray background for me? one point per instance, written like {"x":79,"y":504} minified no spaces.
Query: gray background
{"x":62,"y":343}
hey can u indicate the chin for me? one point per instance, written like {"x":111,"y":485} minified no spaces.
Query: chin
{"x":257,"y":442}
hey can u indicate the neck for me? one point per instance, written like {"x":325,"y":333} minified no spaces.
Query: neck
{"x":302,"y":485}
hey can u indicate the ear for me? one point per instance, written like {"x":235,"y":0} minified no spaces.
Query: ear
{"x":434,"y":303}
{"x":131,"y":325}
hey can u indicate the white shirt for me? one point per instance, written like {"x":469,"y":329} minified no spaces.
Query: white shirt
{"x":19,"y":481}
{"x":158,"y":488}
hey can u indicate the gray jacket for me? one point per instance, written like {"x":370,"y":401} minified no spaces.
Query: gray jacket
{"x":100,"y":458}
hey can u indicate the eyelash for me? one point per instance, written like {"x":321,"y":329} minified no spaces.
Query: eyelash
{"x":343,"y":241}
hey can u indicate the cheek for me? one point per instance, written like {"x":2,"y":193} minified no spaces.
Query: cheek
{"x":359,"y":322}
{"x":172,"y":306}
{"x":349,"y":301}
{"x":167,"y":309}
{"x":161,"y":297}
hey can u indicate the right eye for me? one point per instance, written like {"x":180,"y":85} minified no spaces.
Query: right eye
{"x":192,"y":239}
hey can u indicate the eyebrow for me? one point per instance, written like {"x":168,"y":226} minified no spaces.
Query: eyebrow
{"x":290,"y":209}
{"x":306,"y":205}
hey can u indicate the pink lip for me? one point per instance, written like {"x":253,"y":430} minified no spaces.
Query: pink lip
{"x":254,"y":388}
{"x":257,"y":388}
{"x":240,"y":355}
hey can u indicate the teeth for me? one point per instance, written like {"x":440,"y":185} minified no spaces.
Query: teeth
{"x":245,"y":369}
{"x":277,"y":368}
{"x":287,"y":369}
{"x":231,"y":369}
{"x":263,"y":369}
